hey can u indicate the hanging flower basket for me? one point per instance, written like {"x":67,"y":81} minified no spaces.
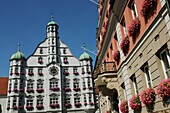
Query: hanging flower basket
{"x":54,"y":88}
{"x":77,"y":104}
{"x":54,"y":105}
{"x":135,"y":102}
{"x":66,"y":73}
{"x":148,"y":96}
{"x":134,"y":28}
{"x":124,"y":45}
{"x":39,"y":106}
{"x":116,"y":55}
{"x":91,"y":103}
{"x":163,"y":89}
{"x":76,"y":89}
{"x":67,"y":105}
{"x":148,"y":8}
{"x":29,"y":107}
{"x":30,"y":90}
{"x":67,"y":89}
{"x":85,"y":103}
{"x":40,"y":90}
{"x":124,"y":107}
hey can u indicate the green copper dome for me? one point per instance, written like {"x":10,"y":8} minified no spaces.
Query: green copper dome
{"x":51,"y":23}
{"x":85,"y":56}
{"x":18,"y":55}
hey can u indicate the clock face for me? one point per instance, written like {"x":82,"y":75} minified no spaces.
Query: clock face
{"x":53,"y":70}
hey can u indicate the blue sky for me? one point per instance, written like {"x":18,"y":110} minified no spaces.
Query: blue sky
{"x":25,"y":21}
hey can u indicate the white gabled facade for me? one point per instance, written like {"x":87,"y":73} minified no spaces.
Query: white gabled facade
{"x":51,"y":79}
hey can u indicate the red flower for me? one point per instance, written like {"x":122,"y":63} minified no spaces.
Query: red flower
{"x":134,"y":28}
{"x":147,"y":8}
{"x":124,"y":107}
{"x":163,"y":89}
{"x":148,"y":96}
{"x":116,"y":55}
{"x":135,"y":102}
{"x":124,"y":45}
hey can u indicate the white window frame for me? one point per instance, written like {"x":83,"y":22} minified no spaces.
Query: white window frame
{"x":30,"y":85}
{"x":40,"y":101}
{"x":29,"y":101}
{"x":39,"y":84}
{"x":67,"y":83}
{"x":67,"y":99}
{"x":53,"y":83}
{"x":163,"y":62}
{"x":54,"y":100}
{"x":134,"y":82}
{"x":14,"y":101}
{"x":77,"y":99}
{"x":16,"y":84}
{"x":147,"y":76}
{"x":76,"y":83}
{"x":134,"y":10}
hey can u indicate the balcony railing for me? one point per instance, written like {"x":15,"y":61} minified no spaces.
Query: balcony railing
{"x":106,"y":67}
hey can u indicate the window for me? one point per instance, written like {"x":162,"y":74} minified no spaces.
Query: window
{"x":40,"y":71}
{"x":76,"y":98}
{"x":133,"y":10}
{"x":53,"y":83}
{"x":39,"y":100}
{"x":123,"y":23}
{"x":10,"y":84}
{"x":30,"y":71}
{"x":14,"y":101}
{"x":41,"y":50}
{"x":89,"y":82}
{"x":67,"y":83}
{"x":123,"y":90}
{"x":39,"y":84}
{"x":16,"y":70}
{"x":40,"y":59}
{"x":134,"y":83}
{"x":84,"y":83}
{"x":87,"y":68}
{"x":8,"y":104}
{"x":64,"y":51}
{"x":85,"y":99}
{"x":65,"y":59}
{"x":53,"y":50}
{"x":147,"y":76}
{"x":29,"y":101}
{"x":76,"y":83}
{"x":54,"y":99}
{"x":165,"y":60}
{"x":67,"y":98}
{"x":30,"y":84}
{"x":90,"y":98}
{"x":74,"y":70}
{"x":52,"y":40}
{"x":16,"y":84}
{"x":65,"y":69}
{"x":22,"y":71}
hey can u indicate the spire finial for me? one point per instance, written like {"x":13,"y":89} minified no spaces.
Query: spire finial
{"x":18,"y":46}
{"x":52,"y":18}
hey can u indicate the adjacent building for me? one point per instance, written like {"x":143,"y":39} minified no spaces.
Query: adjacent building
{"x":3,"y":93}
{"x":133,"y":41}
{"x":51,"y":80}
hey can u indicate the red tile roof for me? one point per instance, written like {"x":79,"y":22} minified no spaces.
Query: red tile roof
{"x":3,"y":85}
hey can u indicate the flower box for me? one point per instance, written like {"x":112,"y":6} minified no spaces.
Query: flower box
{"x":116,"y":55}
{"x":65,"y":61}
{"x":14,"y":107}
{"x":67,"y":105}
{"x":54,"y":88}
{"x":40,"y":61}
{"x":39,"y":106}
{"x":124,"y":107}
{"x":54,"y":105}
{"x":21,"y":107}
{"x":148,"y":8}
{"x":90,"y":87}
{"x":84,"y":88}
{"x":135,"y":102}
{"x":76,"y":89}
{"x":134,"y":28}
{"x":67,"y":89}
{"x":124,"y":45}
{"x":21,"y":90}
{"x":16,"y":73}
{"x":29,"y":107}
{"x":30,"y":90}
{"x":66,"y":73}
{"x":40,"y":73}
{"x":82,"y":72}
{"x":15,"y":90}
{"x":30,"y":73}
{"x":75,"y":73}
{"x":88,"y":72}
{"x":40,"y":90}
{"x":148,"y":96}
{"x":163,"y":89}
{"x":91,"y":103}
{"x":22,"y":73}
{"x":77,"y":104}
{"x":85,"y":103}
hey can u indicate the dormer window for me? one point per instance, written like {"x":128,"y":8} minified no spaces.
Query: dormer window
{"x":30,"y":71}
{"x":40,"y":71}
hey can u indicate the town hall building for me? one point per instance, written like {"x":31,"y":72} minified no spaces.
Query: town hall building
{"x":51,"y":80}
